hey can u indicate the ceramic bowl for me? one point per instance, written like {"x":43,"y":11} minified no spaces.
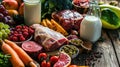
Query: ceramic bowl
{"x":81,"y":9}
{"x":87,"y":45}
{"x":19,"y":43}
{"x":71,"y":50}
{"x":77,"y":42}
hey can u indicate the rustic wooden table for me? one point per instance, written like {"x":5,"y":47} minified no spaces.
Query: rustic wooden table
{"x":108,"y":46}
{"x":107,"y":49}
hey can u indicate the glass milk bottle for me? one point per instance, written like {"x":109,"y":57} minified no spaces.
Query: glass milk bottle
{"x":90,"y":28}
{"x":32,"y":12}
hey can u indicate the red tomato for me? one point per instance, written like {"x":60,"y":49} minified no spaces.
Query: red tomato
{"x":42,"y":55}
{"x":43,"y":63}
{"x":48,"y":64}
{"x":54,"y":59}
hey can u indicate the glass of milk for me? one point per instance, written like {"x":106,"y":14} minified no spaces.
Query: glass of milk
{"x":90,"y":28}
{"x":32,"y":12}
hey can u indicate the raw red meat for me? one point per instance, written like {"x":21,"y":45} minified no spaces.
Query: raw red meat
{"x":68,"y":19}
{"x":48,"y":38}
{"x":32,"y":48}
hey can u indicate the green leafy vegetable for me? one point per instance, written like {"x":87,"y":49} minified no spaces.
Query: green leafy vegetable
{"x":49,"y":6}
{"x":4,"y":60}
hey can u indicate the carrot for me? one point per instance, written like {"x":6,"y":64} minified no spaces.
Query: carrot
{"x":59,"y":28}
{"x":32,"y":64}
{"x":15,"y":60}
{"x":21,"y":53}
{"x":44,"y":23}
{"x":49,"y":24}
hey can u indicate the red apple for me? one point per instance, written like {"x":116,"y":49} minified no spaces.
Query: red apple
{"x":10,"y":4}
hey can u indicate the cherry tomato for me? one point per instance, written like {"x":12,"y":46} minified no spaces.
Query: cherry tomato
{"x":48,"y":64}
{"x":42,"y":55}
{"x":54,"y":59}
{"x":43,"y":63}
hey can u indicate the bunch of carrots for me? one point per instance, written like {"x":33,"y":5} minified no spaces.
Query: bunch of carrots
{"x":19,"y":58}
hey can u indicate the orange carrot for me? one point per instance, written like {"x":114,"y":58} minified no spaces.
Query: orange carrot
{"x":21,"y":53}
{"x":15,"y":60}
{"x":32,"y":64}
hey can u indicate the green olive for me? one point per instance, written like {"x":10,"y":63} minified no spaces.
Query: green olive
{"x":70,"y":49}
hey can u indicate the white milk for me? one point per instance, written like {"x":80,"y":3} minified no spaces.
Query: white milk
{"x":90,"y":28}
{"x":32,"y":11}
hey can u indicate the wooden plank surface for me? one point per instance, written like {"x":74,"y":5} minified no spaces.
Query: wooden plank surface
{"x":108,"y":58}
{"x":110,"y":48}
{"x":115,"y":37}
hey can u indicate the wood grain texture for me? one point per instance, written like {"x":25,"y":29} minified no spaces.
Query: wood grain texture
{"x":109,"y":57}
{"x":115,"y":38}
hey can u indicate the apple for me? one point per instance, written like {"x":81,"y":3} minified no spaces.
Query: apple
{"x":19,"y":2}
{"x":21,"y":9}
{"x":10,"y":4}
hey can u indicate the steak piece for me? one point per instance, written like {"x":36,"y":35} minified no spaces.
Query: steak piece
{"x":68,"y":19}
{"x":48,"y":38}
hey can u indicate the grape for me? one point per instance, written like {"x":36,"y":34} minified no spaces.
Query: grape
{"x":5,"y":20}
{"x":5,"y":35}
{"x":1,"y":35}
{"x":5,"y":13}
{"x":2,"y":8}
{"x":1,"y":16}
{"x":12,"y":29}
{"x":6,"y":26}
{"x":9,"y":17}
{"x":1,"y":25}
{"x":7,"y":31}
{"x":8,"y":20}
{"x":3,"y":31}
{"x":4,"y":17}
